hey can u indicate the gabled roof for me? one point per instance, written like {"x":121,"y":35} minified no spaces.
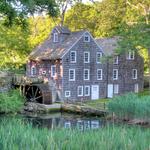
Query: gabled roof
{"x":50,"y":50}
{"x":108,"y":45}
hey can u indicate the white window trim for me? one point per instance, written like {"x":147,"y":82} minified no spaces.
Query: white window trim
{"x":116,"y":74}
{"x":129,"y":55}
{"x":98,"y":61}
{"x":67,"y":95}
{"x":33,"y":67}
{"x":54,"y":38}
{"x":116,"y":91}
{"x":86,"y":35}
{"x":85,"y":90}
{"x":88,"y":57}
{"x":101,"y":74}
{"x":53,"y":66}
{"x":115,"y":63}
{"x":133,"y":74}
{"x":75,"y":56}
{"x":81,"y":90}
{"x":88,"y":74}
{"x":73,"y":76}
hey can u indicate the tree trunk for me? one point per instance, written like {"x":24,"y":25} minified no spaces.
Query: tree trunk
{"x":149,"y":67}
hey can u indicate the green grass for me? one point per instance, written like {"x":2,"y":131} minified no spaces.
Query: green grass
{"x":16,"y":135}
{"x":99,"y":104}
{"x":11,"y":102}
{"x":131,"y":106}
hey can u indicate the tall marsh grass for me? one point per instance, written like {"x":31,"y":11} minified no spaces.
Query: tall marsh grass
{"x":11,"y":102}
{"x":18,"y":135}
{"x":130,"y":106}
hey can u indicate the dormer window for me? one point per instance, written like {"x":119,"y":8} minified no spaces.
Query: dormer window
{"x":55,"y":37}
{"x":86,"y":38}
{"x":131,"y":55}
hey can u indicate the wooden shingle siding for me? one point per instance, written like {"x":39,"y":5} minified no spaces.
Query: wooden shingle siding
{"x":79,"y":66}
{"x":58,"y":53}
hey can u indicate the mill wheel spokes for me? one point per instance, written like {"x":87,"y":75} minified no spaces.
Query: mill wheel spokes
{"x":33,"y":94}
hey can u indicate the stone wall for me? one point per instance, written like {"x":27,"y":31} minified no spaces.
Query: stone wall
{"x":5,"y":81}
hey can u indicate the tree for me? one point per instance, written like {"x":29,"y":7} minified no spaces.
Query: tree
{"x":81,"y":16}
{"x":18,"y":10}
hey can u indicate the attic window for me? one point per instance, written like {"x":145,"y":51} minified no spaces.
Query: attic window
{"x":86,"y":38}
{"x":55,"y":37}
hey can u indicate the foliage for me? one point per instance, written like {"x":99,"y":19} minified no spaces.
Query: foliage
{"x":16,"y":134}
{"x":16,"y":11}
{"x":11,"y":102}
{"x":130,"y":106}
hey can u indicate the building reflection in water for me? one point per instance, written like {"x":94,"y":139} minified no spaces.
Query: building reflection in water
{"x":65,"y":121}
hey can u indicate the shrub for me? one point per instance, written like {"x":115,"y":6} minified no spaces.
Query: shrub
{"x":130,"y":106}
{"x":11,"y":102}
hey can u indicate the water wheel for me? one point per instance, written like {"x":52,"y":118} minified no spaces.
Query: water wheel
{"x":39,"y":93}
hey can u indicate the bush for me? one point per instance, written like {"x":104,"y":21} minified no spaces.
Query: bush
{"x":11,"y":102}
{"x":130,"y":106}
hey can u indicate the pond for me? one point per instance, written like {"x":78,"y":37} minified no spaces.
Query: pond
{"x":64,"y":120}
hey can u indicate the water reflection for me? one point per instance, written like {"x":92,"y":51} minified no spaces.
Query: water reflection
{"x":66,"y":121}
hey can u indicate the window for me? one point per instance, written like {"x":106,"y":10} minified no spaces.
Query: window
{"x":115,"y":60}
{"x":86,"y":57}
{"x":134,"y":73}
{"x":71,"y":74}
{"x":53,"y":71}
{"x":67,"y":93}
{"x":80,"y":90}
{"x":33,"y":70}
{"x":115,"y":74}
{"x":87,"y":90}
{"x":86,"y":74}
{"x":131,"y":55}
{"x":98,"y":57}
{"x":55,"y":37}
{"x":99,"y":74}
{"x":73,"y":56}
{"x":116,"y":88}
{"x":86,"y":38}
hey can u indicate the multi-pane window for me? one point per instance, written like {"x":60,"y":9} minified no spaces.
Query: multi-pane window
{"x":115,"y":74}
{"x":73,"y":56}
{"x":33,"y":70}
{"x":131,"y":55}
{"x":53,"y":70}
{"x":80,"y":90}
{"x":86,"y":90}
{"x":116,"y":88}
{"x":86,"y":38}
{"x":67,"y":93}
{"x":98,"y":57}
{"x":134,"y":73}
{"x":71,"y":74}
{"x":86,"y":74}
{"x":115,"y":60}
{"x":86,"y":57}
{"x":99,"y":74}
{"x":55,"y":37}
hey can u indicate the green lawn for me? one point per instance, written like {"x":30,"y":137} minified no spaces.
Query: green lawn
{"x":101,"y":103}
